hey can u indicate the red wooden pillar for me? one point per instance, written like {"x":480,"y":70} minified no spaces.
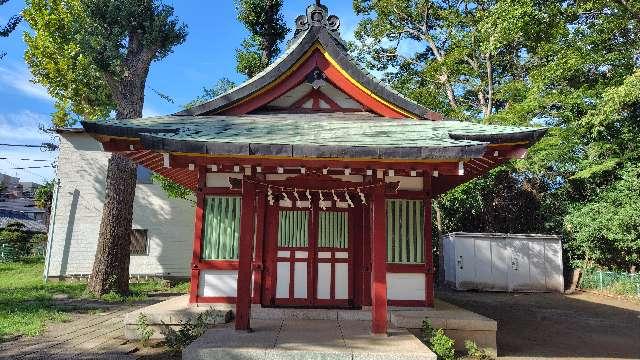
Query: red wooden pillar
{"x":245,"y":254}
{"x":258,"y":265}
{"x":197,"y":235}
{"x":379,"y":262}
{"x":428,"y":241}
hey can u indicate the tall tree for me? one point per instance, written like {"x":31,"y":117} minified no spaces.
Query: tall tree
{"x":114,"y":42}
{"x":8,"y":28}
{"x":572,"y":66}
{"x":465,"y":58}
{"x":267,"y":29}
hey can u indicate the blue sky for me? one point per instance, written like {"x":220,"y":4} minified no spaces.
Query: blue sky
{"x":206,"y":56}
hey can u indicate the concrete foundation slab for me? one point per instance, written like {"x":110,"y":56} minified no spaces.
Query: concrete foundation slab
{"x":458,"y":323}
{"x":307,"y":339}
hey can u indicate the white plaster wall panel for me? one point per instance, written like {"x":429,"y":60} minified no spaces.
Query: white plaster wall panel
{"x":221,"y":180}
{"x":342,"y":99}
{"x":409,"y":183}
{"x":405,"y":286}
{"x":278,"y":177}
{"x":324,"y":281}
{"x":82,"y":167}
{"x":352,"y":178}
{"x":290,"y":97}
{"x":218,"y":283}
{"x":341,"y":255}
{"x":323,"y":105}
{"x":282,"y":280}
{"x":302,"y":254}
{"x":284,"y":254}
{"x":300,"y":280}
{"x":341,"y":281}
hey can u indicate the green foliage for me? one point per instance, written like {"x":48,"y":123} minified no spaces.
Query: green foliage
{"x":44,"y":195}
{"x":81,"y":49}
{"x":143,"y":330}
{"x":438,"y":342}
{"x":57,"y":61}
{"x":221,"y":86}
{"x":249,"y":60}
{"x":17,"y":244}
{"x":427,"y":330}
{"x":188,"y":331}
{"x":9,"y":27}
{"x":172,"y":188}
{"x":267,"y":29}
{"x":606,"y":229}
{"x":474,"y":352}
{"x":572,"y":66}
{"x":488,"y":204}
{"x":466,"y":59}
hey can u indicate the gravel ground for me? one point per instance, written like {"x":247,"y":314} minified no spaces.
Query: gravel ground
{"x":557,"y":326}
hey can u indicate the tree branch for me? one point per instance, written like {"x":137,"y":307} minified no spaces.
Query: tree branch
{"x":626,"y":5}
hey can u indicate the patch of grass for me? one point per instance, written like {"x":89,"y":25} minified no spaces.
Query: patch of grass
{"x":27,"y":304}
{"x":26,"y":301}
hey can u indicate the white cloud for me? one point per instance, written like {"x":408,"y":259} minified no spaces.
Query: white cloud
{"x":149,"y":111}
{"x":17,"y":77}
{"x":23,"y":128}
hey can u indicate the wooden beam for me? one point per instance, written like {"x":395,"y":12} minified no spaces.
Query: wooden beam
{"x":428,"y":241}
{"x":258,"y":265}
{"x":245,"y":254}
{"x":197,"y":236}
{"x":379,"y":262}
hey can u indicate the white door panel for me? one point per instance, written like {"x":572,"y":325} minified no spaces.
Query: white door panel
{"x":341,"y":281}
{"x":282,"y":280}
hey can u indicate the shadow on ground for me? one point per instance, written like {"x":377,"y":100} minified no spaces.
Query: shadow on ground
{"x":554,"y":325}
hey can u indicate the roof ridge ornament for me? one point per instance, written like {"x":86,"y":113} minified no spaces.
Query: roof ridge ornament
{"x":317,"y":15}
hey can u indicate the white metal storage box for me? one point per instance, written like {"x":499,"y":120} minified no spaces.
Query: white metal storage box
{"x":503,"y":262}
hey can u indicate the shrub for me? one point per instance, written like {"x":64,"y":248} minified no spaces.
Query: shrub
{"x":442,"y":345}
{"x":474,"y":352}
{"x":437,"y":341}
{"x":145,"y":332}
{"x":187,"y":331}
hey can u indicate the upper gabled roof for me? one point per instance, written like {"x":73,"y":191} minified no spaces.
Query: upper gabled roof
{"x":315,"y":52}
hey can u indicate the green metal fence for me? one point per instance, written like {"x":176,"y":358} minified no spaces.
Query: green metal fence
{"x":15,"y":252}
{"x":613,"y":282}
{"x":9,"y":253}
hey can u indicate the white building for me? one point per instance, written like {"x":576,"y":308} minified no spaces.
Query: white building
{"x":163,"y":227}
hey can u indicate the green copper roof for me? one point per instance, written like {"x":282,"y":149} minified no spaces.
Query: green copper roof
{"x":316,"y":135}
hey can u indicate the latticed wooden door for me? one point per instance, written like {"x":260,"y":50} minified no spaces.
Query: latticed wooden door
{"x":334,"y":260}
{"x":292,"y":270}
{"x":313,"y":258}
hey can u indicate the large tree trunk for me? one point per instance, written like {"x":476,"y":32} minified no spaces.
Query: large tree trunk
{"x":111,"y":264}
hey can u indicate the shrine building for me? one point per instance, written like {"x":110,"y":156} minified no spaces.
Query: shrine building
{"x":314,"y":181}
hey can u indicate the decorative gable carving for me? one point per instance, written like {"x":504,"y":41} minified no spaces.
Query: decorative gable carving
{"x":317,"y":15}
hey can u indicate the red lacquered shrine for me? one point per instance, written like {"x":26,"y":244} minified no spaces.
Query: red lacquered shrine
{"x":313,"y":180}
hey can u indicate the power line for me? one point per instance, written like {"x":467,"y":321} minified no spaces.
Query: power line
{"x":44,"y":146}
